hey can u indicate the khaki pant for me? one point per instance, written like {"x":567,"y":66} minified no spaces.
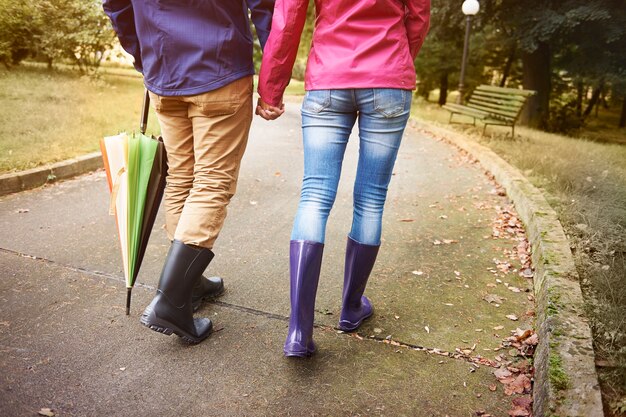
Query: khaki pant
{"x":205,"y":137}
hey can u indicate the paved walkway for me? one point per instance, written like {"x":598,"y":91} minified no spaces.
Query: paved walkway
{"x":65,"y":343}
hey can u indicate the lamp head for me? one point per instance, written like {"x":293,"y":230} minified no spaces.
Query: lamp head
{"x":470,"y":7}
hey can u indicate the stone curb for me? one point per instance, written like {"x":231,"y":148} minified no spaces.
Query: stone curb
{"x":565,"y":380}
{"x":36,"y":177}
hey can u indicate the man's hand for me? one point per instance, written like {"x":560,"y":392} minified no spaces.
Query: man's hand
{"x":269,"y":112}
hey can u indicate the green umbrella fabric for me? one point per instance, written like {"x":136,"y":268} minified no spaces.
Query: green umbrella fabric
{"x":141,"y":153}
{"x":154,"y":194}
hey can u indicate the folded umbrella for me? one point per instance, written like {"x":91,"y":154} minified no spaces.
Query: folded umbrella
{"x":136,"y":168}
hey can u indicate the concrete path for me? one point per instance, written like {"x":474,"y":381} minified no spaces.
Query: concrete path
{"x":65,"y":343}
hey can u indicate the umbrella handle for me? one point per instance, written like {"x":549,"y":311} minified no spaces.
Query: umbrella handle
{"x":143,"y":123}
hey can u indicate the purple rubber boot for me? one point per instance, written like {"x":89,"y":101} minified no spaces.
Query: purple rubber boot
{"x":305,"y":260}
{"x":356,"y":307}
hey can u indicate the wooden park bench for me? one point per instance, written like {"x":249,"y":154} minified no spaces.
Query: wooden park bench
{"x":498,"y":106}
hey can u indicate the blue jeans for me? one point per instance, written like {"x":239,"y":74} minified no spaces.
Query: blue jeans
{"x":327,"y":120}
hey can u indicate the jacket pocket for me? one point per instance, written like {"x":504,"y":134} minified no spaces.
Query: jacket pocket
{"x":391,"y":102}
{"x":316,"y":101}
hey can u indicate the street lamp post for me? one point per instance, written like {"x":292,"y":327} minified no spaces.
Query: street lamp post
{"x":470,"y":8}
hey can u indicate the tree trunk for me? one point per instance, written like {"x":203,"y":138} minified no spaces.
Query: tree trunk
{"x":594,"y":99}
{"x":579,"y":98}
{"x":507,"y":66}
{"x":443,"y":88}
{"x":537,"y":77}
{"x":622,"y":119}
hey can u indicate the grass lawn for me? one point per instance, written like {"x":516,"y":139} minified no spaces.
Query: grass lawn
{"x":585,"y":182}
{"x":49,"y":116}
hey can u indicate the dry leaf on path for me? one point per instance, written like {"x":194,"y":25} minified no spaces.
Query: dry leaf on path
{"x":46,"y":412}
{"x":512,"y":317}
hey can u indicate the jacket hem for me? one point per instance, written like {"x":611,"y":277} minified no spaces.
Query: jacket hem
{"x":192,"y":91}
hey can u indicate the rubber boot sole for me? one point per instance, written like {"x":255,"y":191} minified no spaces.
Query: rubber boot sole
{"x":348,"y":327}
{"x":167,"y":329}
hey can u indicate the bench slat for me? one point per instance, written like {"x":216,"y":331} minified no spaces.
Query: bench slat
{"x":493,"y":108}
{"x":504,"y":98}
{"x":495,"y":103}
{"x":494,"y":111}
{"x":501,"y":90}
{"x":509,"y":101}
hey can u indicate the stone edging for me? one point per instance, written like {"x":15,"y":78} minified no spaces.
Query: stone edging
{"x":565,"y":380}
{"x":31,"y":178}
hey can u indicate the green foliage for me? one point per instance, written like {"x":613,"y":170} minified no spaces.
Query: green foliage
{"x":565,"y":50}
{"x":17,"y":30}
{"x":73,"y":30}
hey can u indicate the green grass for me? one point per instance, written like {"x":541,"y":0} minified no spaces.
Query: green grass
{"x":584,"y":179}
{"x":50,"y":116}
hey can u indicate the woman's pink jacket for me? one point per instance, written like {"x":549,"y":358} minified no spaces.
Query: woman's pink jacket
{"x":356,"y":44}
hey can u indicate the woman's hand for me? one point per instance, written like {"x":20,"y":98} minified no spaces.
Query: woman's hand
{"x":267,"y":111}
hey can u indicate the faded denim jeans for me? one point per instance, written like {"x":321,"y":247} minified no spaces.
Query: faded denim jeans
{"x":328,"y":117}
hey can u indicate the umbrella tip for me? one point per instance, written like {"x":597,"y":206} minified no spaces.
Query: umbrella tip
{"x":128,"y":294}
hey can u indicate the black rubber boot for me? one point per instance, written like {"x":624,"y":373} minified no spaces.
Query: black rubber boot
{"x":171,"y":309}
{"x":206,"y":289}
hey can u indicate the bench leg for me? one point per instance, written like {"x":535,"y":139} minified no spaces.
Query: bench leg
{"x":450,"y":121}
{"x":484,"y":129}
{"x":513,"y":130}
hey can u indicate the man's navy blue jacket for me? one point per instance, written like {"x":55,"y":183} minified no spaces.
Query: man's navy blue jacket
{"x":189,"y":47}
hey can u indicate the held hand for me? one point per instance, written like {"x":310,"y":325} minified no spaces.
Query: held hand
{"x":269,"y":112}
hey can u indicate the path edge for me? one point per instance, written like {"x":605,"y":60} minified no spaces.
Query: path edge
{"x":565,"y":379}
{"x":14,"y":182}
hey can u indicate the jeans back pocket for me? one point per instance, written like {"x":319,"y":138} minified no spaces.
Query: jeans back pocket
{"x":316,"y":101}
{"x":391,"y":102}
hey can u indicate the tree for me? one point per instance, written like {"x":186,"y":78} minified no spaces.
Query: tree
{"x":543,"y":30}
{"x":77,"y":30}
{"x":17,"y":31}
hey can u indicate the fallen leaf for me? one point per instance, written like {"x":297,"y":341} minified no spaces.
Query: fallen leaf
{"x":427,"y":329}
{"x":520,"y":385}
{"x":450,"y":241}
{"x":436,"y":242}
{"x":498,"y":328}
{"x":502,"y":373}
{"x":418,"y":273}
{"x":407,"y":220}
{"x":519,"y":412}
{"x":532,"y":340}
{"x":46,"y":412}
{"x":22,"y":211}
{"x":512,"y":317}
{"x":493,"y":299}
{"x":493,"y":387}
